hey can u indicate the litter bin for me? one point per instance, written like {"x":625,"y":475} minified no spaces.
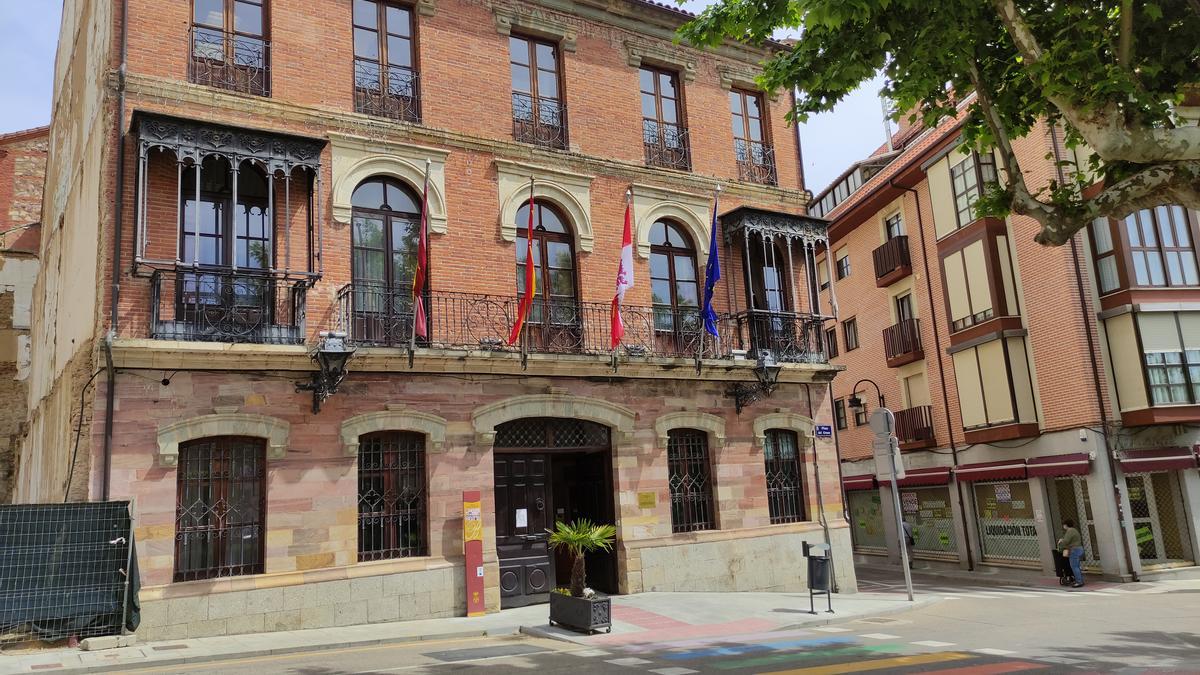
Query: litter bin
{"x":819,"y":560}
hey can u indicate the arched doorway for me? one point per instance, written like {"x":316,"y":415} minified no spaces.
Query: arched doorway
{"x":549,"y":469}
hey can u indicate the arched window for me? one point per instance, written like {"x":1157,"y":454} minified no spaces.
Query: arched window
{"x":689,"y":478}
{"x":391,"y":495}
{"x":674,"y":285}
{"x":220,"y":500}
{"x":785,"y":476}
{"x":384,"y":229}
{"x":554,"y":265}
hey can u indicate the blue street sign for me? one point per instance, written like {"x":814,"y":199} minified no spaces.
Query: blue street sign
{"x":824,"y":431}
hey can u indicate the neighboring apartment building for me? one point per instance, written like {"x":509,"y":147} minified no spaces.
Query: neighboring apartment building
{"x":270,"y":176}
{"x":22,"y":171}
{"x":1026,"y":381}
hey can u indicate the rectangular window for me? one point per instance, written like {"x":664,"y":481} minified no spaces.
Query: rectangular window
{"x":823,"y":274}
{"x":843,"y":266}
{"x":850,"y":334}
{"x":831,"y":342}
{"x":970,"y":178}
{"x":689,"y":476}
{"x":664,"y":133}
{"x":391,"y":495}
{"x":539,"y":115}
{"x":1105,"y":255}
{"x":1174,"y":377}
{"x":1160,"y":247}
{"x":751,"y":145}
{"x":1008,"y":530}
{"x":893,"y":226}
{"x":385,"y":71}
{"x":839,"y":413}
{"x":229,"y":46}
{"x":904,"y":308}
{"x":785,"y":478}
{"x":219,"y":508}
{"x":861,"y":415}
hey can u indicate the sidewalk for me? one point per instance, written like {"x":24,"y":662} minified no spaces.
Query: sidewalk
{"x":637,"y":619}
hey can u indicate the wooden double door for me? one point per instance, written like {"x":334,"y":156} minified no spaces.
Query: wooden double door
{"x":535,"y":487}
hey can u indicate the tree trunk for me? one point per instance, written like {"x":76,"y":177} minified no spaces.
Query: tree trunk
{"x":578,"y":575}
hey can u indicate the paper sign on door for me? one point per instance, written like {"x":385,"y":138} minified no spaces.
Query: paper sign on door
{"x":522,"y":518}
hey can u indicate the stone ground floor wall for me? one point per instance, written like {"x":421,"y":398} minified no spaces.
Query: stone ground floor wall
{"x":310,"y":557}
{"x":1087,"y":499}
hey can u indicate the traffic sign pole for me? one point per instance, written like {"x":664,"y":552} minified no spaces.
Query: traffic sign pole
{"x":900,"y":529}
{"x":883,"y":423}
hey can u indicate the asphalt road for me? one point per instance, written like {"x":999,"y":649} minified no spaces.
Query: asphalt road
{"x":976,"y":630}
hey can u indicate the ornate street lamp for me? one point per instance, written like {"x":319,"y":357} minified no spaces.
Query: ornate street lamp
{"x":330,"y":356}
{"x":855,"y":402}
{"x":766,"y":372}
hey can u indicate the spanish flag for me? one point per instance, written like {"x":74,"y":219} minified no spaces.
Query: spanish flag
{"x":530,"y":277}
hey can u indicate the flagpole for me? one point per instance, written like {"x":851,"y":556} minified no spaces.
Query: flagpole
{"x":617,"y":321}
{"x":710,"y":279}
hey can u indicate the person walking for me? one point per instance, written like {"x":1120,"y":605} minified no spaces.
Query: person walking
{"x":1071,"y":544}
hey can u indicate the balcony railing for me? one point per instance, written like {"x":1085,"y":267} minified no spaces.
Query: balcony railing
{"x":914,"y":427}
{"x":892,"y":261}
{"x":378,"y":315}
{"x":387,"y":91}
{"x":229,"y":61}
{"x":902,"y":343}
{"x":756,"y":162}
{"x":666,"y":145}
{"x":792,"y":337}
{"x":223,"y":305}
{"x":540,"y":121}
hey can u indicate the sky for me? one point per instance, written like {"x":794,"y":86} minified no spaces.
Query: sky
{"x":29,"y":33}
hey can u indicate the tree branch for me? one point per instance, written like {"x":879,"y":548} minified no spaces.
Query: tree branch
{"x":1104,"y":129}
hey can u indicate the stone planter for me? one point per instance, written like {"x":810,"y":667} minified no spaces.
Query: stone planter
{"x":586,"y":615}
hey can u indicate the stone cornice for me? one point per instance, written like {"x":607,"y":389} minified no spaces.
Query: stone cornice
{"x":638,"y":52}
{"x":158,"y":94}
{"x":535,"y":24}
{"x":146,"y":354}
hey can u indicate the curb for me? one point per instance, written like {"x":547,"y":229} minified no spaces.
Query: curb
{"x":214,"y":658}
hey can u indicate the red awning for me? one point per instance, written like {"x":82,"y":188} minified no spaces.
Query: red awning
{"x":1158,"y":459}
{"x":862,"y":482}
{"x":1012,"y":468}
{"x":937,"y":475}
{"x":1074,"y":464}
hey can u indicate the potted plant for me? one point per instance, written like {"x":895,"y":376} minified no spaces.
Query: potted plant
{"x":579,"y":607}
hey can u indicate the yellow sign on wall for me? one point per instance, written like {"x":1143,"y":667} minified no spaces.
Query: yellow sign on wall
{"x":472,"y":521}
{"x":647,"y":500}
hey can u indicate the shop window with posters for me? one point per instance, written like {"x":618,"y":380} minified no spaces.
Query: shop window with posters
{"x":1069,"y":499}
{"x":1007,"y":532}
{"x":1159,"y":519}
{"x":931,"y":514}
{"x":866,"y":522}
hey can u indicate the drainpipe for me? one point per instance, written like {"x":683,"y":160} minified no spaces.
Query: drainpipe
{"x":937,"y":343}
{"x":118,"y":216}
{"x":1093,"y":355}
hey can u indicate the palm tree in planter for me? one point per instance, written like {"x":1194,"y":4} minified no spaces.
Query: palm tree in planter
{"x":571,"y":607}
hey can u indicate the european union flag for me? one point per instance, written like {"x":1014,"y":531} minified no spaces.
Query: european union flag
{"x":712,"y":273}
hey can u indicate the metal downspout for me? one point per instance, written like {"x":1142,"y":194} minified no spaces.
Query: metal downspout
{"x":1092,"y":356}
{"x":118,"y":216}
{"x":937,"y":343}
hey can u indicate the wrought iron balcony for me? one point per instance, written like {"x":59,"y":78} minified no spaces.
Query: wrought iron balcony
{"x":914,"y":427}
{"x":223,"y":305}
{"x":892,"y":262}
{"x":666,"y":145}
{"x":229,"y":61}
{"x":387,"y":91}
{"x":540,"y":121}
{"x":902,"y":343}
{"x":379,"y":315}
{"x":756,"y":162}
{"x":792,"y":337}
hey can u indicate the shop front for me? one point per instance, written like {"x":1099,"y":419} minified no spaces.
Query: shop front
{"x":1067,"y":491}
{"x":1158,"y":506}
{"x":926,"y":505}
{"x":1004,"y":512}
{"x":865,"y":509}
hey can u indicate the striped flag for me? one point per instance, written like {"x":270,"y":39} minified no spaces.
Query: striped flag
{"x":624,"y":273}
{"x":530,"y":278}
{"x":712,"y":273}
{"x":419,"y":317}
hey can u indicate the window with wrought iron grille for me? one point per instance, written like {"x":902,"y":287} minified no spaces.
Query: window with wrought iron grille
{"x":385,"y":70}
{"x":229,"y":46}
{"x":785,"y":476}
{"x":689,"y":476}
{"x":392,"y":496}
{"x":539,"y":113}
{"x":220,"y":504}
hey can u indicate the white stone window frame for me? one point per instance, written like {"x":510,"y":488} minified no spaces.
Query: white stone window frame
{"x":395,"y":418}
{"x":356,"y":159}
{"x":693,"y":211}
{"x":801,"y":425}
{"x":713,"y":425}
{"x":509,"y":18}
{"x":638,"y":53}
{"x":570,"y":192}
{"x":171,"y":436}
